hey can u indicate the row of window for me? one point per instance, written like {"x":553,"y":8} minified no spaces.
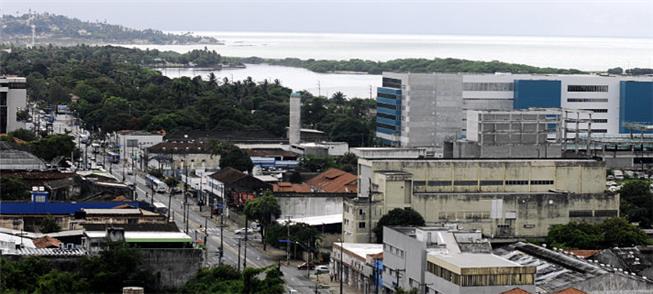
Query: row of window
{"x":482,"y":183}
{"x":587,"y":100}
{"x":480,"y":280}
{"x":391,"y":83}
{"x":587,"y":88}
{"x":468,"y":215}
{"x":393,"y":250}
{"x":388,"y":106}
{"x":388,"y":116}
{"x":389,"y":96}
{"x":385,"y":126}
{"x":595,"y":213}
{"x":597,"y":110}
{"x":488,"y":86}
{"x":14,"y":85}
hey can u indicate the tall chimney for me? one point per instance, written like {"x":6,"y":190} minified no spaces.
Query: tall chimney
{"x":295,"y":123}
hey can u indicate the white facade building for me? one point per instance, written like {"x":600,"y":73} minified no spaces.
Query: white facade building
{"x":13,"y":98}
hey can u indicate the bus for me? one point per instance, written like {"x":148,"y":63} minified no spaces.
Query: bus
{"x":113,"y":157}
{"x":155,"y":184}
{"x":160,"y":208}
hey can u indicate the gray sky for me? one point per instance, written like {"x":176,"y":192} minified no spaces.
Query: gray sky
{"x":604,"y":18}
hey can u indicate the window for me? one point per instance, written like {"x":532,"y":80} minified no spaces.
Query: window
{"x":517,"y":182}
{"x":388,"y":106}
{"x":587,"y":88}
{"x":391,"y":83}
{"x":361,"y":225}
{"x":600,"y":120}
{"x":580,"y":213}
{"x":388,"y":116}
{"x":541,"y":182}
{"x":3,"y":112}
{"x":491,"y":183}
{"x":487,"y":86}
{"x":587,"y":100}
{"x":439,"y":183}
{"x":382,"y":125}
{"x":465,"y":183}
{"x":599,"y":131}
{"x":597,"y":110}
{"x":389,"y":96}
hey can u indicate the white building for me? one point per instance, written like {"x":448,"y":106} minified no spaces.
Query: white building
{"x":132,"y":144}
{"x":423,"y":110}
{"x":13,"y":99}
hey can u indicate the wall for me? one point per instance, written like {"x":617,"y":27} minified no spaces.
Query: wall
{"x":172,"y":267}
{"x":309,"y":205}
{"x":16,"y":99}
{"x":413,"y":259}
{"x":436,"y":283}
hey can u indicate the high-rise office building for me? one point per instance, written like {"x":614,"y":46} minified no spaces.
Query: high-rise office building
{"x":13,"y":99}
{"x":422,"y":110}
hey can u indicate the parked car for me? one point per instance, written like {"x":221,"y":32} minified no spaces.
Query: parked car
{"x":306,"y":265}
{"x":321,"y":269}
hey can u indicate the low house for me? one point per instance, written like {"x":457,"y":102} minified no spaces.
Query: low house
{"x":334,"y":180}
{"x":238,"y":187}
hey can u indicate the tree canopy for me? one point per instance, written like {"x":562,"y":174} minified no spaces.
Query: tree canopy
{"x":637,"y":202}
{"x":264,"y":209}
{"x":13,"y":188}
{"x":612,"y":232}
{"x":398,"y":217}
{"x":232,"y":156}
{"x":226,"y":279}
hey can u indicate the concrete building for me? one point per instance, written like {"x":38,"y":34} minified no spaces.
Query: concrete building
{"x":532,"y":133}
{"x":446,"y":260}
{"x":504,"y":198}
{"x":359,"y":265}
{"x":388,"y":152}
{"x":173,"y":155}
{"x":13,"y":99}
{"x":295,"y":118}
{"x":416,"y":110}
{"x":132,"y":144}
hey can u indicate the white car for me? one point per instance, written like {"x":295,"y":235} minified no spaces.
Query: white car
{"x":321,"y":269}
{"x":241,"y":231}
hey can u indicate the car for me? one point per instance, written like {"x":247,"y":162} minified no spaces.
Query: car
{"x":321,"y":269}
{"x":175,"y":190}
{"x":306,"y":265}
{"x":241,"y":231}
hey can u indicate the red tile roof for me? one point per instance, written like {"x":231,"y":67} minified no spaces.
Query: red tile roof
{"x":290,"y":187}
{"x":334,"y":180}
{"x":584,"y":253}
{"x":46,"y":242}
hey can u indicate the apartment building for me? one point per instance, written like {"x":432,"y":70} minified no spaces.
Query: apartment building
{"x":503,"y":198}
{"x":13,"y":99}
{"x":420,"y":110}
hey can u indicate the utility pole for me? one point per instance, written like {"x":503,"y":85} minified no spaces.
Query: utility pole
{"x":340,"y":266}
{"x":238,"y":263}
{"x":288,"y":238}
{"x":186,"y":193}
{"x":245,"y":244}
{"x":206,"y":238}
{"x":397,"y":271}
{"x":221,"y":232}
{"x":169,"y":202}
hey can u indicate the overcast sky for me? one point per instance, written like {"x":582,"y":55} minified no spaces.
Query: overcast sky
{"x":602,"y":18}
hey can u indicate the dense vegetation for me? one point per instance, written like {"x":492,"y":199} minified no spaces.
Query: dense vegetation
{"x":612,"y":232}
{"x":47,"y":147}
{"x":226,"y":279}
{"x":116,"y":92}
{"x":416,"y":65}
{"x":637,"y":202}
{"x":398,"y":217}
{"x":265,"y":210}
{"x":59,"y":29}
{"x":106,"y":273}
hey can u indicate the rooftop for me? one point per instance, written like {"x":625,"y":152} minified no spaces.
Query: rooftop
{"x":291,"y":187}
{"x":361,"y":250}
{"x":15,"y":159}
{"x":334,"y":180}
{"x":175,"y":147}
{"x":473,"y":260}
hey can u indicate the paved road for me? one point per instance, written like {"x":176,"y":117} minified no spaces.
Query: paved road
{"x":295,"y":279}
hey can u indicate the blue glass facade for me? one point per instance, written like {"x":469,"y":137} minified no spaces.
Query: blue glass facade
{"x":537,"y":93}
{"x":388,"y":112}
{"x":635,"y":103}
